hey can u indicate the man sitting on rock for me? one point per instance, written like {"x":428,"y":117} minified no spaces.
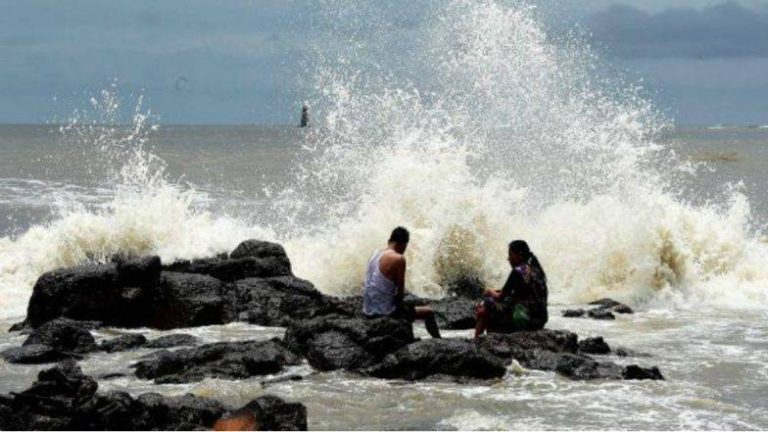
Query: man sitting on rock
{"x":522,"y":303}
{"x":385,"y":285}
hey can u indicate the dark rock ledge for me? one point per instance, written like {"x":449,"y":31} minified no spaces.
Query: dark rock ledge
{"x":63,"y":398}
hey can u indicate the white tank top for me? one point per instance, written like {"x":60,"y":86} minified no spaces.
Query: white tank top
{"x":379,"y":291}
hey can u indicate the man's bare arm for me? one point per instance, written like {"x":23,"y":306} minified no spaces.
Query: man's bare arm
{"x":399,"y":268}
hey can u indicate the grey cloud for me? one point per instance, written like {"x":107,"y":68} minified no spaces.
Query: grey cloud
{"x":726,"y":30}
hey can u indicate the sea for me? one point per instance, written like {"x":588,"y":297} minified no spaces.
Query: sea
{"x":513,"y":135}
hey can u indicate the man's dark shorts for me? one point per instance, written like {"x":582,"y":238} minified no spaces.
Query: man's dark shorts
{"x":402,"y":312}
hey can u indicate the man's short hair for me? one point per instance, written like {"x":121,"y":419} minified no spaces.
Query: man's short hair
{"x":400,"y":235}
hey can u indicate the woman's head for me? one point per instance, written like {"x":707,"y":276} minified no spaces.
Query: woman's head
{"x":519,"y":252}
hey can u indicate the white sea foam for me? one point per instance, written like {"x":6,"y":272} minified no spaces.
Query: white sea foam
{"x":574,"y":170}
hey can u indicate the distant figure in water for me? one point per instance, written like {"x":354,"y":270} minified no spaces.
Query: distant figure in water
{"x":522,"y":303}
{"x":304,"y":115}
{"x":385,"y":285}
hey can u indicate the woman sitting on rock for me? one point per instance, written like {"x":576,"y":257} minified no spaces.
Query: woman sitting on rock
{"x":522,"y":303}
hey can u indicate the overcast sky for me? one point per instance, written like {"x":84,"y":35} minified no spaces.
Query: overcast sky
{"x":235,"y":61}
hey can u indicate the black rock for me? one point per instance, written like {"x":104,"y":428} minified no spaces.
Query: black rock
{"x":595,"y":345}
{"x":454,"y":313}
{"x":19,"y":327}
{"x":232,"y":268}
{"x":143,"y":272}
{"x":189,"y":300}
{"x":257,"y":249}
{"x":123,"y":343}
{"x":600,"y":314}
{"x":452,"y":357}
{"x":63,"y":334}
{"x":574,"y":313}
{"x":218,"y":360}
{"x":339,"y":342}
{"x":64,"y":399}
{"x":174,"y":340}
{"x":612,"y":305}
{"x":35,"y":354}
{"x":635,"y":372}
{"x":279,"y":301}
{"x":573,"y":366}
{"x":272,"y":413}
{"x":87,"y":292}
{"x":516,"y":345}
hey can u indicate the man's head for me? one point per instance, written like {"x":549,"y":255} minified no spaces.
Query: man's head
{"x":398,"y":240}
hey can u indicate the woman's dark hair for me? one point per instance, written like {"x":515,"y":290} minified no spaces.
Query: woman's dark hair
{"x":522,"y":248}
{"x":400,"y":235}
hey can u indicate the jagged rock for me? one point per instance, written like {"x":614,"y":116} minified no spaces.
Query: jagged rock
{"x":279,"y":301}
{"x":252,"y":258}
{"x":600,"y":314}
{"x":514,"y":345}
{"x":612,"y":305}
{"x":454,"y":313}
{"x":218,"y":360}
{"x":189,"y":300}
{"x":635,"y":372}
{"x":35,"y":354}
{"x":174,"y":340}
{"x":574,"y":313}
{"x":453,"y":357}
{"x":19,"y":327}
{"x":123,"y":343}
{"x":64,"y":399}
{"x":595,"y":345}
{"x":87,"y":292}
{"x":142,"y":272}
{"x":64,"y":335}
{"x":338,"y":342}
{"x":257,"y":249}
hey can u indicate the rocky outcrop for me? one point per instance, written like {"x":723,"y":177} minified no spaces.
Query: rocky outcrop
{"x":174,"y":340}
{"x":53,"y":341}
{"x":279,"y":301}
{"x":454,"y":313}
{"x":233,"y":360}
{"x":595,"y":345}
{"x":560,"y":351}
{"x":63,"y":398}
{"x":253,"y":283}
{"x":441,"y":357}
{"x":604,"y":310}
{"x":123,"y":343}
{"x":340,"y":342}
{"x":251,"y":259}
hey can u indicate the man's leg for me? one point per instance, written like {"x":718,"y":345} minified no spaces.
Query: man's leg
{"x":425,"y":313}
{"x":481,"y":319}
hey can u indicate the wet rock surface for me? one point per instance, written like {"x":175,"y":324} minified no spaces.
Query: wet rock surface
{"x":123,"y":343}
{"x":279,"y":301}
{"x":233,"y":360}
{"x":53,"y":341}
{"x":63,"y":398}
{"x":340,"y":342}
{"x":595,"y":345}
{"x":604,"y":309}
{"x":174,"y":340}
{"x":451,"y":357}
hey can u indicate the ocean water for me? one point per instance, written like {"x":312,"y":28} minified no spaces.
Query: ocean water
{"x":512,"y":135}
